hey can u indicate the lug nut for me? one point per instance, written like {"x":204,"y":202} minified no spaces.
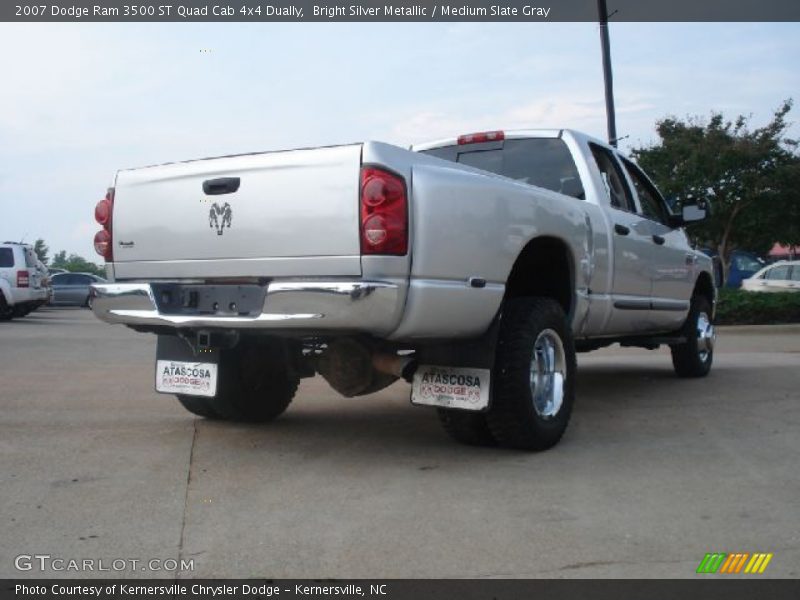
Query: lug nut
{"x":232,"y":306}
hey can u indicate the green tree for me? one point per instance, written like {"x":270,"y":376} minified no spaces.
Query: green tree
{"x":76,"y":264}
{"x":59,"y":260}
{"x":749,"y":176}
{"x":41,"y":250}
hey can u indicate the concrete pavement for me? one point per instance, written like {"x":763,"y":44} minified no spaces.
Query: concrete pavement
{"x":653,"y":472}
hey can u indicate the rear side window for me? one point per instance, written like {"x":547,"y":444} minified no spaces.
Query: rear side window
{"x":619,"y":194}
{"x":653,"y":205}
{"x":796,"y":273}
{"x":543,"y":162}
{"x":6,"y":258}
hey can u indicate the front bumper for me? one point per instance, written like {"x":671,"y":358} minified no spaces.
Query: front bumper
{"x":331,"y":305}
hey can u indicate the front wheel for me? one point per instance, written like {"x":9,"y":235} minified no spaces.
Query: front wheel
{"x":693,"y":358}
{"x":534,"y":387}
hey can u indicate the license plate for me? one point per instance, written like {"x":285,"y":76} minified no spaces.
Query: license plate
{"x":451,"y":387}
{"x":189,"y":378}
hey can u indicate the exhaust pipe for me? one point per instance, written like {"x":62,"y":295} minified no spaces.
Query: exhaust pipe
{"x":392,"y":364}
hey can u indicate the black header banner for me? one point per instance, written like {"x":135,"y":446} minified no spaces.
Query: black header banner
{"x":396,"y":11}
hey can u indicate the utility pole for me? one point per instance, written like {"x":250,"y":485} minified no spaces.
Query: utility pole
{"x":607,"y":77}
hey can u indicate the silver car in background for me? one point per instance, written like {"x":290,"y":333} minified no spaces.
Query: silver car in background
{"x":72,"y":289}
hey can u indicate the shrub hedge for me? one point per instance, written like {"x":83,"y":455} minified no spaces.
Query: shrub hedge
{"x":737,"y":307}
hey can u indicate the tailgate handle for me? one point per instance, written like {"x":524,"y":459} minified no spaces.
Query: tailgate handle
{"x":223,"y":185}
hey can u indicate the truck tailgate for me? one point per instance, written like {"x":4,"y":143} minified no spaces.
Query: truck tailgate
{"x":278,"y":214}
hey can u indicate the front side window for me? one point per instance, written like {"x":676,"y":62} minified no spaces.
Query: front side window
{"x":796,"y":273}
{"x":747,"y":263}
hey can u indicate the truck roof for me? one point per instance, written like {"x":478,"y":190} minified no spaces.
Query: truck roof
{"x":510,"y":134}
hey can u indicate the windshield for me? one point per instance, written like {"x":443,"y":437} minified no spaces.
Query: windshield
{"x":743,"y":262}
{"x":544,"y":162}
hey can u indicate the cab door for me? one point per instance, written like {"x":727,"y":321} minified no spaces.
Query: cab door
{"x":632,"y":249}
{"x":672,"y":266}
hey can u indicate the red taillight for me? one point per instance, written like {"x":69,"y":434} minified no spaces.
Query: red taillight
{"x":485,"y":136}
{"x":103,"y":213}
{"x":23,"y":279}
{"x":102,"y":243}
{"x":384,"y":213}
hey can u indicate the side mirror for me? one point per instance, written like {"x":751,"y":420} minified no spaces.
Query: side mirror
{"x":692,"y":211}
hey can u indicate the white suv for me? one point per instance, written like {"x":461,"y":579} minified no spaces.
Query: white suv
{"x":22,"y":284}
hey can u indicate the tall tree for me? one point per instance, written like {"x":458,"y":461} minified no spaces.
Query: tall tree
{"x":749,"y":176}
{"x":60,"y":260}
{"x":75,"y":264}
{"x":41,"y":250}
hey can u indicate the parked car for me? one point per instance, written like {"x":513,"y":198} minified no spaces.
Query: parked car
{"x":473,"y":267}
{"x":781,"y":276}
{"x":22,"y":285}
{"x":73,"y":288}
{"x":743,"y":265}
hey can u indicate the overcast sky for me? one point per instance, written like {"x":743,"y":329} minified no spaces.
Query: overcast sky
{"x":78,"y":101}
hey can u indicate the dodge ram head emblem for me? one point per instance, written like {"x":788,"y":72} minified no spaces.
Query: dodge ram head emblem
{"x":219,"y":217}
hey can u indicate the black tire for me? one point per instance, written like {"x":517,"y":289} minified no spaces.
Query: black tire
{"x":20,"y":311}
{"x":6,"y":312}
{"x":513,"y":419}
{"x":694,"y":357}
{"x":198,"y":406}
{"x":466,"y":427}
{"x":256,"y":382}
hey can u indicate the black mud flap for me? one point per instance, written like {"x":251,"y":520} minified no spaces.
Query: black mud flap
{"x":457,"y":375}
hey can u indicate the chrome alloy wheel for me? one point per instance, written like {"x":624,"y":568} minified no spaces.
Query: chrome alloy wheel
{"x":548,"y":374}
{"x":706,"y":336}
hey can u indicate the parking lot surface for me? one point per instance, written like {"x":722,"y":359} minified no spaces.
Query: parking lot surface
{"x":652,"y":473}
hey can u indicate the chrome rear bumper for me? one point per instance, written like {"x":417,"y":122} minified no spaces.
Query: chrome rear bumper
{"x":370,"y":306}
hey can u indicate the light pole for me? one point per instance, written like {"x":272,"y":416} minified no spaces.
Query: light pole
{"x":607,"y":77}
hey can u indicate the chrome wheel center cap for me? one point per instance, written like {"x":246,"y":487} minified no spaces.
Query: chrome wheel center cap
{"x":548,"y":374}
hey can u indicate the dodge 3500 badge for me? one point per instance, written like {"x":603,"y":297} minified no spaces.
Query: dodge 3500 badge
{"x":451,"y":387}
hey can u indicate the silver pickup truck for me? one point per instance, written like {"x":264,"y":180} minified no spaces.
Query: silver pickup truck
{"x":474,"y":267}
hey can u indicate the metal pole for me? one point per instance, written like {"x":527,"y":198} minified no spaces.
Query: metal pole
{"x":607,"y":77}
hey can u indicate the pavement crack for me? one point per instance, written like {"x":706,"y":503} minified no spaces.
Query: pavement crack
{"x":186,"y":499}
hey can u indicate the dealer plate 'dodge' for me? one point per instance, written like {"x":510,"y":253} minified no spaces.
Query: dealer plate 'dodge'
{"x":191,"y":379}
{"x":451,"y":387}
